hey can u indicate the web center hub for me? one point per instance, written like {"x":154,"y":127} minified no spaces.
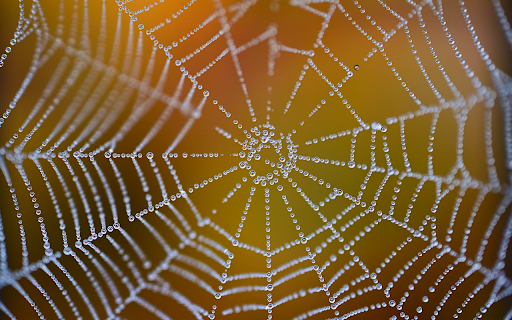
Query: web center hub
{"x":264,"y":154}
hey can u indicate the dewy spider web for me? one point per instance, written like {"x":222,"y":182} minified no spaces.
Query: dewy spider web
{"x":256,"y":159}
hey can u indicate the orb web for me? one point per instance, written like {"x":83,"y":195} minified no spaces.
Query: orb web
{"x":259,"y":159}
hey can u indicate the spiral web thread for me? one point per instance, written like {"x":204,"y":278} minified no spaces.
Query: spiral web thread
{"x":66,"y":160}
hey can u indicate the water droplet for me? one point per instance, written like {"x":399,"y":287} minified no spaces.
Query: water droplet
{"x":376,"y":126}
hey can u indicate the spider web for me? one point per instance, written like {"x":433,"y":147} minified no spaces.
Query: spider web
{"x":310,"y":159}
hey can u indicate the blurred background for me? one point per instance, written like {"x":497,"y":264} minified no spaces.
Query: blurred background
{"x":188,"y":89}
